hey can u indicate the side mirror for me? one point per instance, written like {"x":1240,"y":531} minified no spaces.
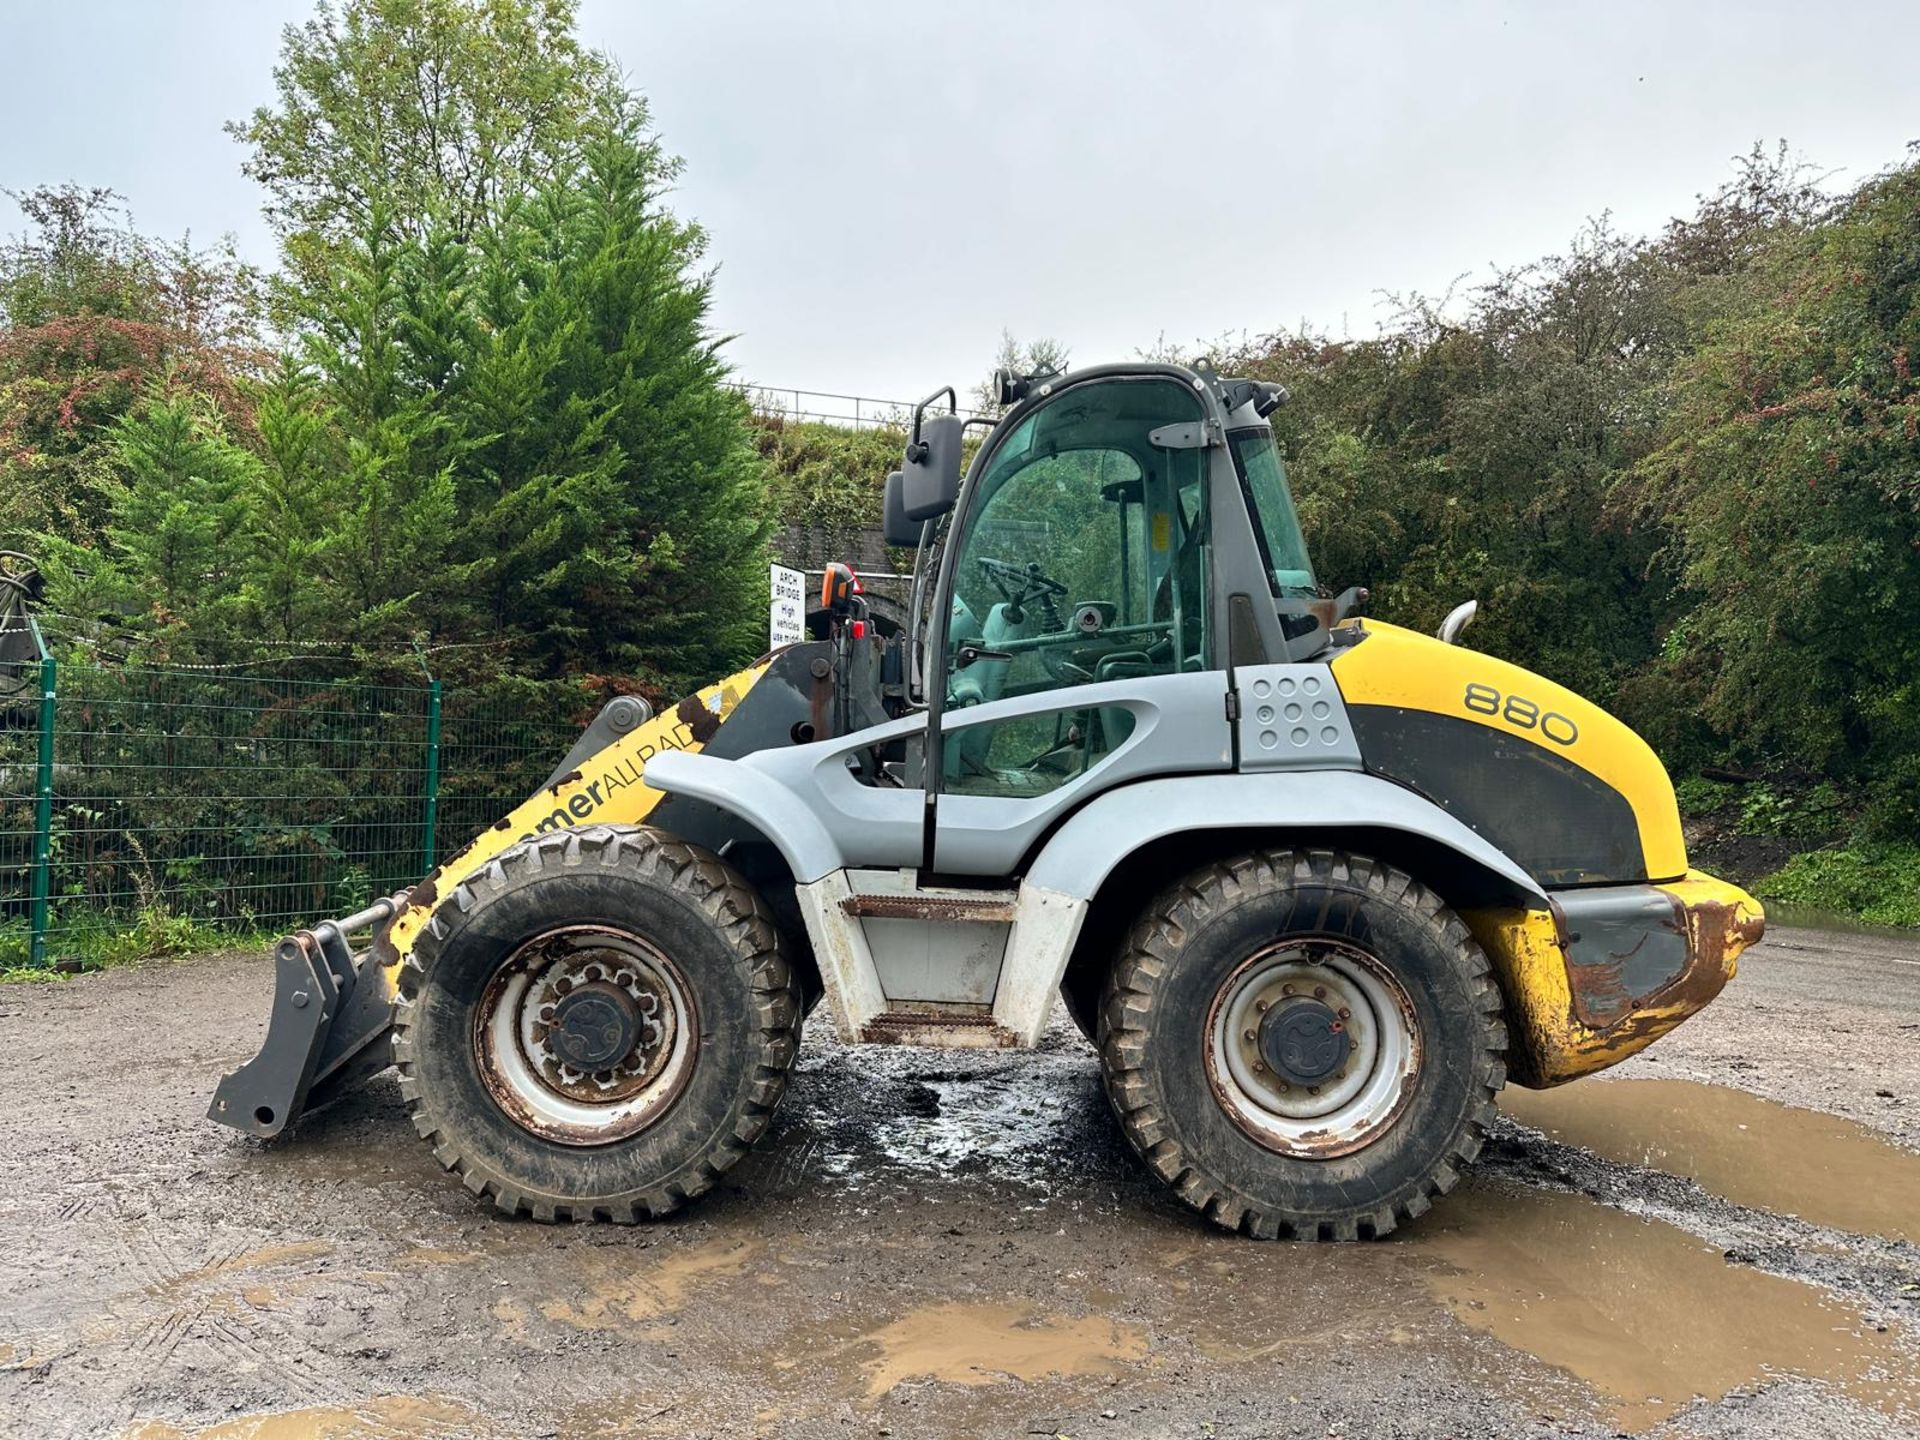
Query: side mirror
{"x":930,"y":475}
{"x":895,"y":527}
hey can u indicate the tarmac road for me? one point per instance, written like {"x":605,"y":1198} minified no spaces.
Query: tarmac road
{"x":1721,"y":1242}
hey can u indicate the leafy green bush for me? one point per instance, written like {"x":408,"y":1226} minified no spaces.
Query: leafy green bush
{"x":1877,"y":881}
{"x":1700,"y":797}
{"x":1769,"y":810}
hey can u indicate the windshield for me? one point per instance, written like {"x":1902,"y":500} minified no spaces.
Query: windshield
{"x":1264,"y":478}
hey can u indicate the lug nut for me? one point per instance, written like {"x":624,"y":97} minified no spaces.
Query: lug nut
{"x":1286,"y":989}
{"x":1346,"y":1014}
{"x":1319,"y":992}
{"x":1260,"y":1069}
{"x":1261,"y":1006}
{"x":1313,"y":1089}
{"x":1250,"y":1036}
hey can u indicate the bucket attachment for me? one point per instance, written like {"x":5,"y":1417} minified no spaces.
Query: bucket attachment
{"x":332,"y":1011}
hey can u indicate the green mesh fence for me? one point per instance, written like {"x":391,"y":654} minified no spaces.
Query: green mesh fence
{"x":495,"y":748}
{"x":188,"y":804}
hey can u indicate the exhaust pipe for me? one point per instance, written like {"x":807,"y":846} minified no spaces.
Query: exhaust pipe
{"x":328,"y":1029}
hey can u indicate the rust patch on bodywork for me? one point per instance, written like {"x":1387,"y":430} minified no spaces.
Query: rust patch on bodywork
{"x":423,"y":897}
{"x":699,"y":720}
{"x":1568,"y":1019}
{"x":818,"y":696}
{"x":1718,"y":926}
{"x":1620,"y":957}
{"x":923,"y":907}
{"x":940,"y":1029}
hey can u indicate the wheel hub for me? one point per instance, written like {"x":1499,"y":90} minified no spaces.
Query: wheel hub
{"x":586,"y":1035}
{"x":595,"y":1026}
{"x":1304,"y":1041}
{"x":1311,"y":1047}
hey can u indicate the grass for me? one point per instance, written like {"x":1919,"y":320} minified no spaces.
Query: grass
{"x":1876,"y":881}
{"x":95,"y":941}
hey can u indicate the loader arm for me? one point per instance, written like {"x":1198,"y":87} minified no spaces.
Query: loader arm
{"x":332,"y":1007}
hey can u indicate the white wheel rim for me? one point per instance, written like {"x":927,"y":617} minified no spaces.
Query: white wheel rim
{"x":1349,"y":1108}
{"x":537,"y":1087}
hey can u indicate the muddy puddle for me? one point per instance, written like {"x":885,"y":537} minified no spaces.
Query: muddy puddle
{"x":1754,"y":1152}
{"x":987,"y":1344}
{"x":386,"y":1417}
{"x":625,"y":1292}
{"x":1647,"y":1314}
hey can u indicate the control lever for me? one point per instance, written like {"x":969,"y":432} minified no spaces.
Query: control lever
{"x":970,"y":654}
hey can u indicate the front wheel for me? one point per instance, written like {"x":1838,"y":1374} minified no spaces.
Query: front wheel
{"x":596,"y":1025}
{"x":1303,"y":1043}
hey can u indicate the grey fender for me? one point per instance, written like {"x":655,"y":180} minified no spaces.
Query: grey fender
{"x":806,"y":802}
{"x":756,"y":797}
{"x":1102,"y":833}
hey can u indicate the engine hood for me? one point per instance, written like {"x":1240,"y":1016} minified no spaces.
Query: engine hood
{"x":1567,"y":790}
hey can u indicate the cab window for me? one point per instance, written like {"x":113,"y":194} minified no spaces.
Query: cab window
{"x":1084,"y":558}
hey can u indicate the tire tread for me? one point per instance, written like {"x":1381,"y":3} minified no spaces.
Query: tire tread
{"x":1127,"y":1009}
{"x":739,"y":915}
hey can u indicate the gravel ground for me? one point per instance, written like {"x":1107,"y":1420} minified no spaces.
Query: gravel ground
{"x":940,"y":1244}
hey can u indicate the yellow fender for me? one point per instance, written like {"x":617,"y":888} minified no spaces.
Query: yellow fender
{"x":606,"y":790}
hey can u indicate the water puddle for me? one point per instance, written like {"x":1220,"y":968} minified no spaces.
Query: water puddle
{"x":267,"y":1257}
{"x":987,"y":1344}
{"x":1781,"y":916}
{"x":376,"y":1419}
{"x":618,"y":1417}
{"x":428,"y":1255}
{"x":1646,"y":1314}
{"x":1752,"y":1151}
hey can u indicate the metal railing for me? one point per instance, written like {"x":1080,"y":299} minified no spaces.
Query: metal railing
{"x":858,"y":412}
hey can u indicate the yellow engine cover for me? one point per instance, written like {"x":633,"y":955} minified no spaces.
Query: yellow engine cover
{"x":1404,"y":671}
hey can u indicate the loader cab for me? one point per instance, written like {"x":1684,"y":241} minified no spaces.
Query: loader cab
{"x":1123,"y":523}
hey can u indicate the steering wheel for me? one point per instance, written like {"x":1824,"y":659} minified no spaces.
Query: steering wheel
{"x":1018,"y":584}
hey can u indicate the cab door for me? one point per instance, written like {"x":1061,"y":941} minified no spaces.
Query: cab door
{"x":1080,"y":647}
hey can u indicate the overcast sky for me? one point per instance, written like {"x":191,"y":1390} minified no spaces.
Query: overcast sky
{"x":887,"y":186}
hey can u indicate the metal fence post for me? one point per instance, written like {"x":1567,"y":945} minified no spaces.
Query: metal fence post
{"x":43,"y":814}
{"x":433,"y":776}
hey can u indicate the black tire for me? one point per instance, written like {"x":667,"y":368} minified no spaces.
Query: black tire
{"x":689,"y":904}
{"x":1157,"y":1013}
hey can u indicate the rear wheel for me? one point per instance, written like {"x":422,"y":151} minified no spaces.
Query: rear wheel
{"x":1303,"y":1043}
{"x":597,"y":1025}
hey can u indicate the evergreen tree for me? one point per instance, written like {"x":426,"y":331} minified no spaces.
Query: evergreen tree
{"x":293,"y":499}
{"x":615,"y":505}
{"x":174,"y":557}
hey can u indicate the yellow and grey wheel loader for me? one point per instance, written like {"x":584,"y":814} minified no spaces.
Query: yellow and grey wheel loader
{"x":1314,"y":886}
